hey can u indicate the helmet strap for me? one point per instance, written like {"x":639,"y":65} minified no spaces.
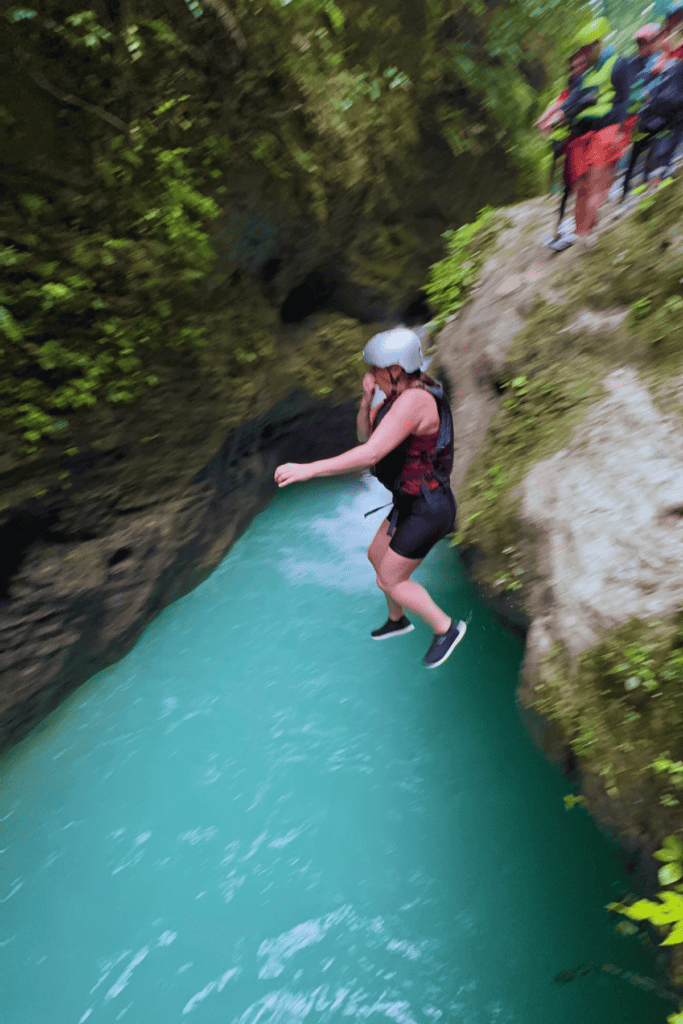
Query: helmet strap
{"x":393,"y":383}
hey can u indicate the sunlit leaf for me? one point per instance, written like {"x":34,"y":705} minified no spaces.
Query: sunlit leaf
{"x":675,"y":935}
{"x":9,"y":325}
{"x":675,"y":844}
{"x":670,"y":873}
{"x":642,"y":910}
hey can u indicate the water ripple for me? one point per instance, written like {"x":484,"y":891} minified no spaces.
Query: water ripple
{"x":285,"y":1007}
{"x":218,"y":986}
{"x":287,"y":944}
{"x":17,"y":883}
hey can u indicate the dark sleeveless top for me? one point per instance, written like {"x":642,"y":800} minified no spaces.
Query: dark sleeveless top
{"x":417,"y":463}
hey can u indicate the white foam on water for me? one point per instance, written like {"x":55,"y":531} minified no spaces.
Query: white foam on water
{"x":288,"y":943}
{"x":108,"y":966}
{"x":348,"y":533}
{"x":135,"y":859}
{"x":285,"y":1007}
{"x":231,"y":884}
{"x":212,"y":986}
{"x":288,"y":838}
{"x":255,"y":846}
{"x":199,"y":997}
{"x":17,"y":884}
{"x":123,"y":979}
{"x":401,"y":946}
{"x":198,"y":835}
{"x":225,"y":978}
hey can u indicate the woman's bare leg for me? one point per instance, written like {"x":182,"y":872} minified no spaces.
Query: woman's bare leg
{"x":376,"y":551}
{"x":393,"y":578}
{"x":590,"y":193}
{"x":608,"y":176}
{"x":581,"y":189}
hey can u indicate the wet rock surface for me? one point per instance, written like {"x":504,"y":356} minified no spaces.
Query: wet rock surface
{"x":474,"y":345}
{"x":610,"y":511}
{"x":95,"y":568}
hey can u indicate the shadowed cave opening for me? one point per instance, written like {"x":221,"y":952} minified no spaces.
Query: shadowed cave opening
{"x":312,"y":295}
{"x":22,"y":528}
{"x":119,"y":556}
{"x":417,"y":311}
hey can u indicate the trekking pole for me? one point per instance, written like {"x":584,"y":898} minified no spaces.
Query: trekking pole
{"x":552,"y":173}
{"x":636,"y":149}
{"x":565,"y":197}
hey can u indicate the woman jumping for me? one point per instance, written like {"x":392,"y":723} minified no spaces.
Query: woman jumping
{"x":408,"y":443}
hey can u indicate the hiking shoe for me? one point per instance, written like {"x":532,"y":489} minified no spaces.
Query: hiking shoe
{"x":560,"y":244}
{"x":392,"y":628}
{"x":444,"y":646}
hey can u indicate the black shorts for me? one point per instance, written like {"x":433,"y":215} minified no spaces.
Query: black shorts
{"x":420,"y":523}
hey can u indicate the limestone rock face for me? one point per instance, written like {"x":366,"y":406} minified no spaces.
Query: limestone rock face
{"x":93,"y":574}
{"x":607,"y":513}
{"x":474,"y":345}
{"x":570,"y":495}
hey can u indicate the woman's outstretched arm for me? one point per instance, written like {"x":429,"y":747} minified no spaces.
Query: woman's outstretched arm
{"x":399,"y":422}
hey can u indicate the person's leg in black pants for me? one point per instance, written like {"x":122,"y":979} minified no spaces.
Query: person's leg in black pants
{"x":638,"y":147}
{"x":664,"y":150}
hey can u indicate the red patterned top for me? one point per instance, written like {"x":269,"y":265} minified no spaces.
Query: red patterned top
{"x":419,"y":451}
{"x":419,"y":463}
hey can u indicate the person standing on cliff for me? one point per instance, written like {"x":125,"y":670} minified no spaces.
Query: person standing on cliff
{"x":553,"y":123}
{"x":407,"y":441}
{"x":667,"y":140}
{"x":596,"y":110}
{"x":643,"y":77}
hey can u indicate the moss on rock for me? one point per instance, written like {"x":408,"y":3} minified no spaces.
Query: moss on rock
{"x":620,"y":706}
{"x":621,"y":300}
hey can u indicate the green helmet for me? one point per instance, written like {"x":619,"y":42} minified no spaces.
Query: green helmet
{"x":590,"y":33}
{"x":400,"y":346}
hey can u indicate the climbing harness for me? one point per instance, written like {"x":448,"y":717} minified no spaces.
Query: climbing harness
{"x":410,"y":462}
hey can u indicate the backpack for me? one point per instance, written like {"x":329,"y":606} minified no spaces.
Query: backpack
{"x":664,"y":107}
{"x":388,"y":470}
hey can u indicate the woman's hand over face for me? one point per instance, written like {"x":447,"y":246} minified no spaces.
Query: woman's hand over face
{"x":292,"y":473}
{"x":369,"y":386}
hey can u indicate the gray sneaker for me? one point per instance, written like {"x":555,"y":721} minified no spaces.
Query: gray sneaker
{"x":560,"y":244}
{"x":444,"y":646}
{"x":392,"y":628}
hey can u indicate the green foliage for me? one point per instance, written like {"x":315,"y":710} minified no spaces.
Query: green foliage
{"x":639,"y":310}
{"x":619,"y":701}
{"x":669,"y":911}
{"x":571,"y":801}
{"x":531,"y":417}
{"x":625,"y":17}
{"x":646,"y":208}
{"x":106,"y":241}
{"x":82,"y":306}
{"x":505,"y":58}
{"x":450,"y":280}
{"x":626,"y":662}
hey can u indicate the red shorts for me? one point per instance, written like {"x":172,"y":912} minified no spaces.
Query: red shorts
{"x":595,"y":149}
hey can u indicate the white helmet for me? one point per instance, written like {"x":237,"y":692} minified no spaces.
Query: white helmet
{"x":399,"y":346}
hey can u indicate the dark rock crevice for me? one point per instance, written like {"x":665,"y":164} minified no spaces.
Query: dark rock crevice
{"x":83,"y":579}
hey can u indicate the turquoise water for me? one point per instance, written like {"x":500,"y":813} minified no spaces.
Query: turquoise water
{"x":260,"y":815}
